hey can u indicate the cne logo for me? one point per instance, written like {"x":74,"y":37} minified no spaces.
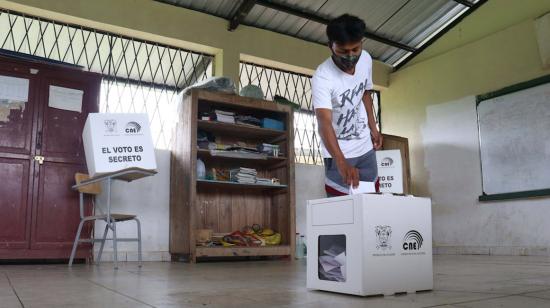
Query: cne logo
{"x":387,"y":162}
{"x":412,"y":240}
{"x":132,"y":128}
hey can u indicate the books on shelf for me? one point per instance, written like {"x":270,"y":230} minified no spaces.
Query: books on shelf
{"x":248,"y":120}
{"x":269,"y":149}
{"x":256,"y":184}
{"x":264,"y":181}
{"x":224,"y":116}
{"x":244,"y":175}
{"x":243,"y":149}
{"x":238,"y":154}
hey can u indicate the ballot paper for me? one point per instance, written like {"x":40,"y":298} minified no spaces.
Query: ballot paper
{"x":341,"y":259}
{"x":332,"y":264}
{"x":328,"y":263}
{"x":363,"y":188}
{"x":343,"y":271}
{"x":334,"y":250}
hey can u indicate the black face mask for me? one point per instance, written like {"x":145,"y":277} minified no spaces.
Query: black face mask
{"x":346,"y":62}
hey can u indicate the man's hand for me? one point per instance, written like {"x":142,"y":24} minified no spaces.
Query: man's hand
{"x":377,"y":139}
{"x":349,"y":173}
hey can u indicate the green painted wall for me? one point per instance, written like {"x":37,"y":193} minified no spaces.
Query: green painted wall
{"x":495,"y":16}
{"x":494,"y":47}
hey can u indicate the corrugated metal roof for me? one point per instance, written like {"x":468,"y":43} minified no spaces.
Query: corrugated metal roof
{"x":409,"y":22}
{"x":220,"y":8}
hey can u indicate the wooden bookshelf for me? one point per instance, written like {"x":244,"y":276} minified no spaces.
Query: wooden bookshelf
{"x":225,"y":206}
{"x":279,"y":250}
{"x":229,"y":184}
{"x":205,"y":155}
{"x":250,"y":131}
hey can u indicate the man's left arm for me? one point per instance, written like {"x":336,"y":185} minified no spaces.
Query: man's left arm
{"x":377,"y":139}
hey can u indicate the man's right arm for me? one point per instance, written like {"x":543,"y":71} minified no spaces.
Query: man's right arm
{"x":348,"y":172}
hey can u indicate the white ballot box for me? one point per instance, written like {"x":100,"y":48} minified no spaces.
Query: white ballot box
{"x":116,"y":141}
{"x":369,"y":244}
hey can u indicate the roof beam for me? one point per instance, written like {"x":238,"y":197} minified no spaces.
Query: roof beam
{"x":240,"y":14}
{"x":324,"y":21}
{"x":464,"y":2}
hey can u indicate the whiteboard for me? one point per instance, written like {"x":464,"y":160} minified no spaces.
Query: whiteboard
{"x":514,"y":134}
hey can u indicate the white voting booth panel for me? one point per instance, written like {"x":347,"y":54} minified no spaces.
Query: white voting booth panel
{"x":369,"y":244}
{"x":116,"y":141}
{"x":390,"y":171}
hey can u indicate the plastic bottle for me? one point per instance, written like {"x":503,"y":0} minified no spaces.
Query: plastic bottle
{"x":201,"y":169}
{"x":299,"y":246}
{"x":305,"y":244}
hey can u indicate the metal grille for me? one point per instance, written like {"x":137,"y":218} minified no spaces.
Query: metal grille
{"x":138,"y":76}
{"x":295,"y":87}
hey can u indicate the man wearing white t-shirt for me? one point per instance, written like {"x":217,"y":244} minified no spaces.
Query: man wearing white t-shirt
{"x":341,"y":90}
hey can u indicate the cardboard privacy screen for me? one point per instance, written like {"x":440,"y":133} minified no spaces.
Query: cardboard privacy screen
{"x":116,"y":141}
{"x":390,"y":171}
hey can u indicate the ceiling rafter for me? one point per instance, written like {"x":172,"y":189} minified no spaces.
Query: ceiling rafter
{"x":241,"y":13}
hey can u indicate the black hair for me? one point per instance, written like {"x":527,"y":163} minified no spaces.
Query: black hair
{"x":346,"y":29}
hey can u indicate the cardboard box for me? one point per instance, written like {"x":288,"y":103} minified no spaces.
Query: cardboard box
{"x":116,"y":141}
{"x":390,"y":171}
{"x":369,"y":244}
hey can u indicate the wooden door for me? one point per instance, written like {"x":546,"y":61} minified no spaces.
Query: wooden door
{"x":18,"y":106}
{"x":61,"y":146}
{"x":46,"y":208}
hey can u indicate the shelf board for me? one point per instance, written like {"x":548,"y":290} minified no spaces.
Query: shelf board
{"x":239,"y":129}
{"x":222,"y":184}
{"x":269,"y":160}
{"x":234,"y":251}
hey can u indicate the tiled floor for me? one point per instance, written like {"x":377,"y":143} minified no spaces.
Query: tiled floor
{"x":460,"y":281}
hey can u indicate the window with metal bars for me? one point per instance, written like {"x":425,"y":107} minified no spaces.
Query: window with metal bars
{"x":138,"y":76}
{"x":295,"y":87}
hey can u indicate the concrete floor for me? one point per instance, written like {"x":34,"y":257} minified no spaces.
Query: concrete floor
{"x":460,"y":281}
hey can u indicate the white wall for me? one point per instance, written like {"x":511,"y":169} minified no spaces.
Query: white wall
{"x":310,"y":184}
{"x":149,"y":198}
{"x":461,"y":224}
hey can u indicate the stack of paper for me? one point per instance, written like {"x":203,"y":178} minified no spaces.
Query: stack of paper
{"x":224,"y":116}
{"x":247,"y":120}
{"x":332,"y":264}
{"x":269,"y":149}
{"x":244,"y":175}
{"x":264,"y":181}
{"x":238,"y":154}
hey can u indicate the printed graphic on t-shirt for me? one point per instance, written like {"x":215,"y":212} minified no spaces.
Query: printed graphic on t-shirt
{"x":350,"y":123}
{"x":333,"y":89}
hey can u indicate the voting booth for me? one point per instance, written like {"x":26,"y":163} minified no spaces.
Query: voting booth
{"x":369,"y":244}
{"x":390,"y":171}
{"x":116,"y":141}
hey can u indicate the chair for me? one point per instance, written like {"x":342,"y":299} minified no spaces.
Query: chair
{"x":111,"y":219}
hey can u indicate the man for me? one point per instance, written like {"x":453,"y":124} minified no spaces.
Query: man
{"x":341,"y":90}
